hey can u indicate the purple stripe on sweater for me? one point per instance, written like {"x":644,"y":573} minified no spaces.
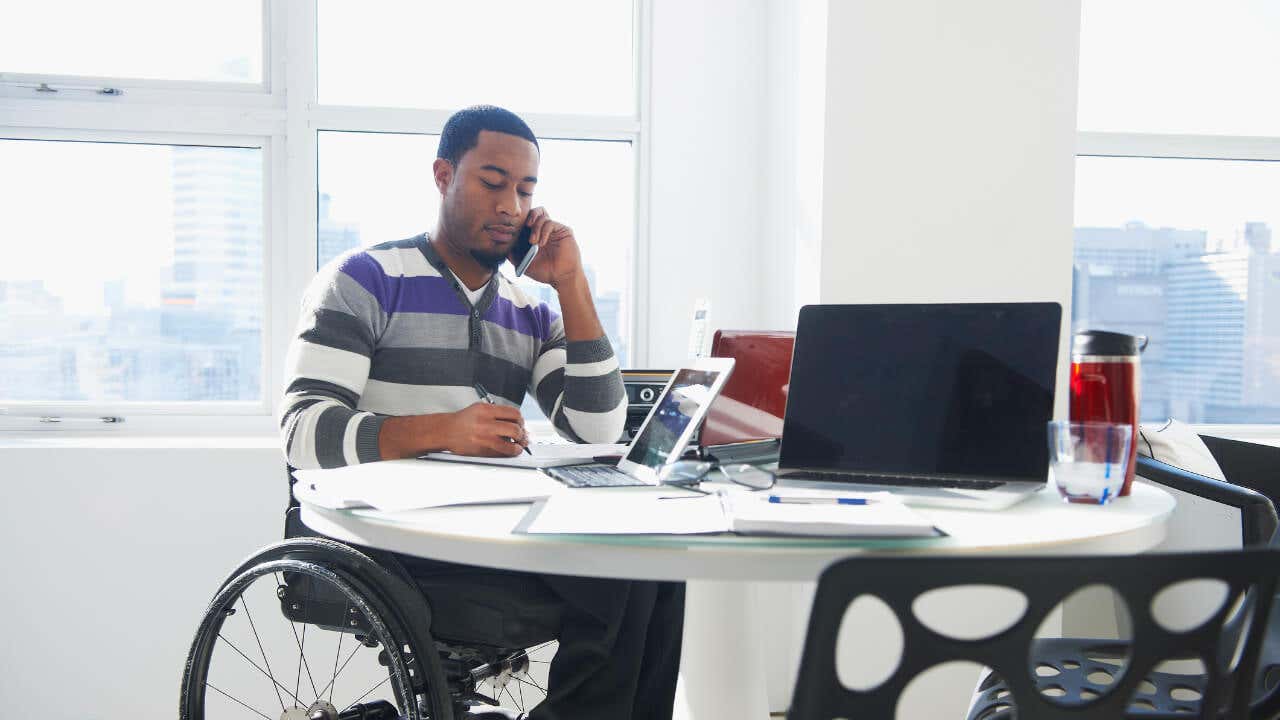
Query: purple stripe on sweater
{"x":534,"y":321}
{"x":403,"y":294}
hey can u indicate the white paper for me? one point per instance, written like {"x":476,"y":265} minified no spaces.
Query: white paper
{"x":883,"y":516}
{"x":397,"y":485}
{"x":540,"y":455}
{"x":628,"y":511}
{"x":658,"y":511}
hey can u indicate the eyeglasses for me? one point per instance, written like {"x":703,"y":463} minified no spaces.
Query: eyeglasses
{"x":687,"y":473}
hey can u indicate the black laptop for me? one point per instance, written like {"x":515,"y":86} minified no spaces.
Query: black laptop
{"x":940,"y":404}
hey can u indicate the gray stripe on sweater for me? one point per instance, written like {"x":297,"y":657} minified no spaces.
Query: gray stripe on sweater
{"x":548,"y":390}
{"x":367,"y":438}
{"x":319,"y":388}
{"x":589,"y":351}
{"x":598,"y":394}
{"x":337,"y":329}
{"x":432,"y":366}
{"x":344,"y":294}
{"x":330,"y":432}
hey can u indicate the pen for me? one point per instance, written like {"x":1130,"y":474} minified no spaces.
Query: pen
{"x":484,"y":395}
{"x":818,"y":500}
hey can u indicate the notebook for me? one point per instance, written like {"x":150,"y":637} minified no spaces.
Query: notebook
{"x":941,"y":404}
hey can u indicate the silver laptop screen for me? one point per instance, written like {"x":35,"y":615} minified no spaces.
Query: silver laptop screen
{"x":950,"y":389}
{"x":690,"y":390}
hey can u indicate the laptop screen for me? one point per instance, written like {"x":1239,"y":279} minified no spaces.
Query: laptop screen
{"x":689,"y":391}
{"x":955,"y":389}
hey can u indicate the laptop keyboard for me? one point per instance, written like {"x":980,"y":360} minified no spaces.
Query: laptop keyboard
{"x":901,"y":480}
{"x":581,"y":476}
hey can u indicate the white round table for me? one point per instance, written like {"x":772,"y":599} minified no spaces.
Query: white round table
{"x":719,"y":569}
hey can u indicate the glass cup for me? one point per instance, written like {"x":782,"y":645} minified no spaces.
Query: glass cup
{"x":1088,"y":459}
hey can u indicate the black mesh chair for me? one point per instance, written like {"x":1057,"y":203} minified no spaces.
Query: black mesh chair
{"x":1258,"y":523}
{"x":410,"y":661}
{"x":1227,"y":643}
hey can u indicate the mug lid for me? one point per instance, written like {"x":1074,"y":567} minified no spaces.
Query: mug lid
{"x":1103,"y":342}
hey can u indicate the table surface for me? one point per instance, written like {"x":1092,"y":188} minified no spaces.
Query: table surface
{"x":482,"y":535}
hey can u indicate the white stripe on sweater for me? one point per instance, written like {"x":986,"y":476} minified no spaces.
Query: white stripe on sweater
{"x":547,"y":362}
{"x":321,"y":362}
{"x":602,"y":427}
{"x":406,"y":262}
{"x":349,"y":453}
{"x":591,"y":369}
{"x":390,"y":398}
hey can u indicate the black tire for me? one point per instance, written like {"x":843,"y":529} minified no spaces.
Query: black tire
{"x":402,"y":650}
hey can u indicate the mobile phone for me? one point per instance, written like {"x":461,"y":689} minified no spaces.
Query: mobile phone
{"x":523,"y":252}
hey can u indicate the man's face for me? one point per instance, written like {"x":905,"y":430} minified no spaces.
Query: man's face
{"x":488,"y":195}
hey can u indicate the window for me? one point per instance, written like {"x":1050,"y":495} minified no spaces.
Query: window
{"x":122,"y":281}
{"x":408,"y":53}
{"x":143,"y":39}
{"x":150,"y":153}
{"x":587,"y":183}
{"x":1176,"y":234}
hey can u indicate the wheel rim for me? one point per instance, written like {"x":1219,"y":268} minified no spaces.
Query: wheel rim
{"x":250,"y":660}
{"x":519,"y":682}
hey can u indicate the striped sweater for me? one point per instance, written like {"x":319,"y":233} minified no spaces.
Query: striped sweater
{"x":389,"y":331}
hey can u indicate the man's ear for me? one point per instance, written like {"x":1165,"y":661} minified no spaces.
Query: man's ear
{"x":443,"y":171}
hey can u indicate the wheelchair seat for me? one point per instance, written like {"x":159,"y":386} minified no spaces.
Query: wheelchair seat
{"x":411,"y":659}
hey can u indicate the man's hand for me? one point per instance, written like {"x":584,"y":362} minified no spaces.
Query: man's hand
{"x":558,"y":260}
{"x":486,"y":430}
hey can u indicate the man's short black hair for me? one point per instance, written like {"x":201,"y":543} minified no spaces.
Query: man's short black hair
{"x":462,"y":130}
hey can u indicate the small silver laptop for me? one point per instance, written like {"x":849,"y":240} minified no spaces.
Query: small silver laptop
{"x":665,"y":433}
{"x":940,"y":404}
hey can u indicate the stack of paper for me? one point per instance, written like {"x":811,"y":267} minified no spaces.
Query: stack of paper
{"x":662,"y":513}
{"x":398,"y":485}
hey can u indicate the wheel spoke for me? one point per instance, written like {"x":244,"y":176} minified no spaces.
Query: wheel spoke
{"x":507,"y":690}
{"x":366,"y":694}
{"x":302,"y":656}
{"x":345,"y":612}
{"x":530,"y":681}
{"x":266,"y":662}
{"x":259,"y":669}
{"x":344,"y":667}
{"x":236,"y":700}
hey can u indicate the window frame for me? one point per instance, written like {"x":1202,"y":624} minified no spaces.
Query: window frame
{"x":286,"y":126}
{"x":1189,"y":147}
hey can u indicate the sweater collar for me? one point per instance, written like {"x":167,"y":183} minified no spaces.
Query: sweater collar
{"x":437,"y":262}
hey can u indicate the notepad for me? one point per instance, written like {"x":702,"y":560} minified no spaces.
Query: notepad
{"x":659,"y":513}
{"x":540,"y":455}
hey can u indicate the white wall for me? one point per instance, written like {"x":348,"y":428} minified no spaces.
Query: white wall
{"x":111,"y":554}
{"x":709,"y":145}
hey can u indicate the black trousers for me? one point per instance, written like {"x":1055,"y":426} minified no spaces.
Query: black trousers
{"x":619,"y":639}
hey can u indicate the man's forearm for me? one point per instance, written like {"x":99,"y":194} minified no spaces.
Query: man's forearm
{"x":579,"y":310}
{"x":412,"y":435}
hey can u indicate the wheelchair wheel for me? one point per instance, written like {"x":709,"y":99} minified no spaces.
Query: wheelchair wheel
{"x":293,"y":636}
{"x":511,"y":679}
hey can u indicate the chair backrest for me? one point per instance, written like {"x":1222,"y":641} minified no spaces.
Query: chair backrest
{"x":1258,"y":520}
{"x":1227,"y":643}
{"x":1251,"y":465}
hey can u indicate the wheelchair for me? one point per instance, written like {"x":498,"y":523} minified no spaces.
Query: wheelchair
{"x":314,"y":629}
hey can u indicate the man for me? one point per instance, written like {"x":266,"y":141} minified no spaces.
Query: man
{"x":393,"y":341}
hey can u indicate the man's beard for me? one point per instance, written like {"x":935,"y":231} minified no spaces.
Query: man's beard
{"x":490,"y":260}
